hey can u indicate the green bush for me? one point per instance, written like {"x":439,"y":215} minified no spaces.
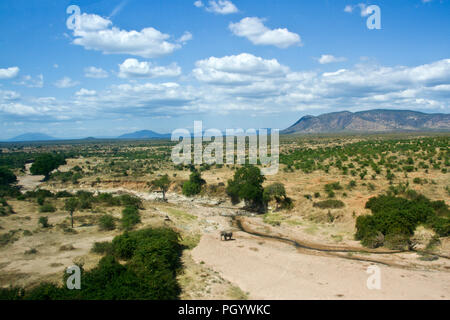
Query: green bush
{"x":102,"y":248}
{"x":397,"y":218}
{"x":194,"y":185}
{"x":150,"y":273}
{"x":247,"y":185}
{"x":107,"y":223}
{"x":47,"y":208}
{"x":329,"y":204}
{"x":44,"y":164}
{"x":43,"y":221}
{"x":6,"y":176}
{"x":130,"y":217}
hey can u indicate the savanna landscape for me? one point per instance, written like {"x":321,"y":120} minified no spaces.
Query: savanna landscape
{"x":308,"y":232}
{"x":224,"y":158}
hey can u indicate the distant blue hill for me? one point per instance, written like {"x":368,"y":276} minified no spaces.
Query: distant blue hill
{"x":144,"y":134}
{"x":32,"y":137}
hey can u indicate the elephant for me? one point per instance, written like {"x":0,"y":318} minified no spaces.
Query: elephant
{"x":224,"y":235}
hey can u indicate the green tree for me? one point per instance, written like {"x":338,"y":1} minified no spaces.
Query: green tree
{"x":194,"y":185}
{"x":71,"y":205}
{"x":163,"y":184}
{"x":44,"y":164}
{"x":6,"y":176}
{"x":277,"y":192}
{"x":247,"y":185}
{"x":107,"y":222}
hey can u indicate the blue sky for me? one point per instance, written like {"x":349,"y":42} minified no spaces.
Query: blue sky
{"x":127,"y":65}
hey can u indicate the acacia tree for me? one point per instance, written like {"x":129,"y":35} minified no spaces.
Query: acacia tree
{"x":277,"y":192}
{"x":6,"y":176}
{"x":194,"y":185}
{"x":163,"y":184}
{"x":247,"y":185}
{"x":44,"y":164}
{"x":71,"y":205}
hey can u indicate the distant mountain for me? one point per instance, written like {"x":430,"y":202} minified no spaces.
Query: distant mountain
{"x":371,"y":121}
{"x":32,"y":137}
{"x":144,"y":134}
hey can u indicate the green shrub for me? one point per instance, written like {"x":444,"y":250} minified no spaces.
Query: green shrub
{"x":6,"y":176}
{"x":397,"y":218}
{"x":107,"y":222}
{"x":43,"y":221}
{"x":44,"y":164}
{"x":150,"y":273}
{"x":247,"y":185}
{"x":130,"y":217}
{"x":194,"y":185}
{"x":329,"y":204}
{"x":102,"y":248}
{"x":12,"y":293}
{"x":46,"y":208}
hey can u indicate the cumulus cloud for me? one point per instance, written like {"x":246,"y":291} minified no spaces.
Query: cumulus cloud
{"x":132,"y":68}
{"x":328,"y":58}
{"x":31,"y":82}
{"x":235,"y":81}
{"x":96,"y":73}
{"x":85,"y":92}
{"x":65,"y":82}
{"x":253,"y":85}
{"x":187,"y":36}
{"x":9,"y":73}
{"x":199,"y":4}
{"x":362,"y":7}
{"x":237,"y":69}
{"x":253,"y":29}
{"x":219,"y":7}
{"x":8,"y":95}
{"x":97,"y":33}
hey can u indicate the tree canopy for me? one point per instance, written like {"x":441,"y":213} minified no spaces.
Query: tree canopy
{"x":163,"y":184}
{"x":194,"y":185}
{"x":6,"y":176}
{"x":44,"y":164}
{"x":247,"y":185}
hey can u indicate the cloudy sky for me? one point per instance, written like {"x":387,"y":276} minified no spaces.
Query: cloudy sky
{"x":118,"y":66}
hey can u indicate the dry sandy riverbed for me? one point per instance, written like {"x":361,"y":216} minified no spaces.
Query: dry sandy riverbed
{"x":265,"y":269}
{"x":269,"y":269}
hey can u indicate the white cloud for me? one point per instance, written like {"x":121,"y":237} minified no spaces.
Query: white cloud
{"x":9,"y":73}
{"x":219,"y":7}
{"x":363,"y":9}
{"x":96,"y":73}
{"x":18,"y":109}
{"x":8,"y":95}
{"x":348,"y":9}
{"x":85,"y":92}
{"x":255,"y":30}
{"x":30,"y":82}
{"x":199,"y":4}
{"x":132,"y":68}
{"x":65,"y":82}
{"x":187,"y":36}
{"x":328,"y":58}
{"x":222,"y":7}
{"x":250,"y":85}
{"x":96,"y":33}
{"x":236,"y":69}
